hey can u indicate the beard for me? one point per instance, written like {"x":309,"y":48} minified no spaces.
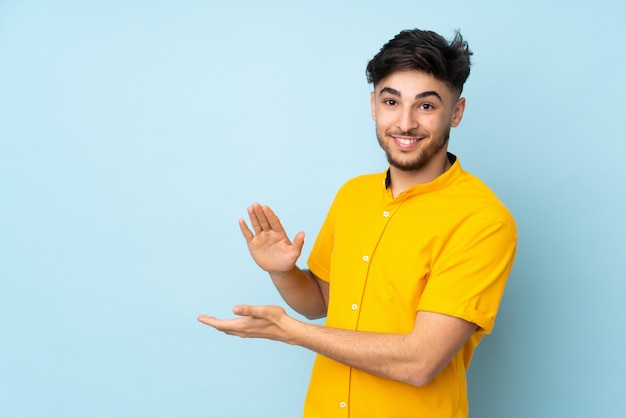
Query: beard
{"x":424,"y":155}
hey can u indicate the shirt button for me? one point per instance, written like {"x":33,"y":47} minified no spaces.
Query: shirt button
{"x":385,"y":214}
{"x":355,"y":307}
{"x":342,"y":404}
{"x":365,"y":258}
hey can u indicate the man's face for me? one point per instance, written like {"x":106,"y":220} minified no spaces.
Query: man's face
{"x":414,"y":112}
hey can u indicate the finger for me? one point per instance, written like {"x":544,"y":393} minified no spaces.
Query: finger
{"x":247,"y":234}
{"x":254,"y":219}
{"x":261,"y":217}
{"x":273,"y":220}
{"x":210,"y":321}
{"x":244,"y":310}
{"x":298,"y":241}
{"x":215,"y":322}
{"x":229,"y":326}
{"x":205,"y":319}
{"x":266,"y":312}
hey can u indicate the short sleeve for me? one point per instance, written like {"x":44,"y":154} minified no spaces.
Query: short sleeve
{"x":469,"y":278}
{"x":319,"y":258}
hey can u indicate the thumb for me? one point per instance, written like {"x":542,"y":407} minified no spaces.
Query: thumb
{"x":298,"y":240}
{"x":243,"y":310}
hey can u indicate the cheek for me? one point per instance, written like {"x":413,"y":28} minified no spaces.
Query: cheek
{"x":384,"y":119}
{"x":433,"y":124}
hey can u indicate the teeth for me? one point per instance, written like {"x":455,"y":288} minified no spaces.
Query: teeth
{"x":405,"y":141}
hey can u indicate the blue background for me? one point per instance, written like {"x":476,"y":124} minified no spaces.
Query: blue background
{"x":134,"y":134}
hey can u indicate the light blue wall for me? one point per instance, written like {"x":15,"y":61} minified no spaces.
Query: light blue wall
{"x":132,"y":137}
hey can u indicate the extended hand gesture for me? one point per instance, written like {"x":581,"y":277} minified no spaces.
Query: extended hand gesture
{"x":269,"y":245}
{"x":270,"y":322}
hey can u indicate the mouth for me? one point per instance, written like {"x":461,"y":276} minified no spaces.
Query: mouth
{"x":406,"y":142}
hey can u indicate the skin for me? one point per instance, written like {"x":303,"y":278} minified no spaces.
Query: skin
{"x":413,"y":112}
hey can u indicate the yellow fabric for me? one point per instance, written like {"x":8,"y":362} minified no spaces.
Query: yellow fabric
{"x":446,"y":247}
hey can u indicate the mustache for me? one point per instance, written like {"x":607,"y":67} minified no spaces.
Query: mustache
{"x":413,"y":133}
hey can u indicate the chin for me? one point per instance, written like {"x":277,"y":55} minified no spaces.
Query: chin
{"x":408,"y":165}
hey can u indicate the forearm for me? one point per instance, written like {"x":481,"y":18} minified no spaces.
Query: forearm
{"x":414,"y":358}
{"x":301,"y":290}
{"x":392,"y":356}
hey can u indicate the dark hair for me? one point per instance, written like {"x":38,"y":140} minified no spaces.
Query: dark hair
{"x":424,"y":51}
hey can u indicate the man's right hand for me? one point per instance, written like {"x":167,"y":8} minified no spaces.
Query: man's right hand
{"x":269,"y":245}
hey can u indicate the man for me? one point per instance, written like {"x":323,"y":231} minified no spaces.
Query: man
{"x":410,"y":264}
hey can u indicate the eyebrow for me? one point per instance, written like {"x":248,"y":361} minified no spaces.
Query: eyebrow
{"x":395,"y":92}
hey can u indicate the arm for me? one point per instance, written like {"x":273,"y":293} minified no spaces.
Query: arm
{"x":303,"y":291}
{"x":414,"y":358}
{"x":272,"y":250}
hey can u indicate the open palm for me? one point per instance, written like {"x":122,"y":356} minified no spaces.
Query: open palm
{"x":268,"y":243}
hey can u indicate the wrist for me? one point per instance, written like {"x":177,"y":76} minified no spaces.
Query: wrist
{"x":284,"y":275}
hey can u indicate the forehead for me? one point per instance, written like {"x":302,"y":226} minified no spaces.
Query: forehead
{"x":412,"y":83}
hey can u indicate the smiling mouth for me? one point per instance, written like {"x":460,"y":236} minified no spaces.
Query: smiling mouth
{"x":405,"y":140}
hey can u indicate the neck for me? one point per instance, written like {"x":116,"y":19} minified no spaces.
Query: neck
{"x":403,"y":180}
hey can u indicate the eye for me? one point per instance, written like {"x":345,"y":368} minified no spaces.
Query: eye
{"x":389,"y":102}
{"x":426,"y":106}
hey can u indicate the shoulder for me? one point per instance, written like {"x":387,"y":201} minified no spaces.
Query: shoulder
{"x":362,"y":191}
{"x":363,"y":184}
{"x":476,"y":199}
{"x":366,"y":180}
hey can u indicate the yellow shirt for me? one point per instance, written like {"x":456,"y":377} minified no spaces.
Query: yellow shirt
{"x":446,"y":246}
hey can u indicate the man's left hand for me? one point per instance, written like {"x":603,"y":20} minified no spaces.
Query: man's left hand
{"x":270,"y":322}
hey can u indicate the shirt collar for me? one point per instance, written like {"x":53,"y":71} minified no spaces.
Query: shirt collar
{"x":451,"y":157}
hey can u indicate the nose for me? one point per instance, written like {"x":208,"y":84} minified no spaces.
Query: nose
{"x":407,"y":120}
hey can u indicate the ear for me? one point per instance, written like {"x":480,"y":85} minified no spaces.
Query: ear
{"x":457,"y":112}
{"x":373,"y":103}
